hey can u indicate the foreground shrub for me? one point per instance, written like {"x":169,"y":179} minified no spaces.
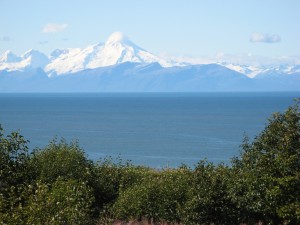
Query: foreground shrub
{"x":115,"y":176}
{"x":67,"y":161}
{"x":12,"y":202}
{"x":208,"y":198}
{"x":267,"y":175}
{"x":15,"y":174}
{"x":14,"y":158}
{"x":158,"y":197}
{"x":63,"y":202}
{"x":61,"y":160}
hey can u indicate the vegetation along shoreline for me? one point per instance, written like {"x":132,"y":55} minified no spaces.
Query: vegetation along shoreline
{"x":58,"y":184}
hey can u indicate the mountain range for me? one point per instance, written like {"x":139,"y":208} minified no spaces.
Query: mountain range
{"x":120,"y":65}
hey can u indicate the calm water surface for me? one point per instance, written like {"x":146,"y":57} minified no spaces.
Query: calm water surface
{"x":154,"y":129}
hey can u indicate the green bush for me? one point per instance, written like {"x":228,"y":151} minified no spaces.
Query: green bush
{"x":208,"y":198}
{"x":12,"y":202}
{"x":14,"y":157}
{"x":267,"y":184}
{"x":15,"y":174}
{"x":157,"y":197}
{"x":64,"y":202}
{"x":61,"y":160}
{"x":67,"y":161}
{"x":113,"y":176}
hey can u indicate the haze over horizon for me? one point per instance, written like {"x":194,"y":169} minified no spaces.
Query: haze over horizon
{"x":199,"y":31}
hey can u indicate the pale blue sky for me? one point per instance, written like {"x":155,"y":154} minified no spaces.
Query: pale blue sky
{"x":178,"y":27}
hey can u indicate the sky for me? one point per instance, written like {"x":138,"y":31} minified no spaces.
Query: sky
{"x":179,"y":28}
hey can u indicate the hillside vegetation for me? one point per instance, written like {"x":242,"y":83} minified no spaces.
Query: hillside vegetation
{"x":58,"y":184}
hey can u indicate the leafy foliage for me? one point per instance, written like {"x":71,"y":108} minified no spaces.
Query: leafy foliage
{"x":14,"y":159}
{"x":113,"y":176}
{"x":267,"y":183}
{"x":65,"y":202}
{"x":158,"y":196}
{"x":209,"y":200}
{"x":61,"y":160}
{"x":15,"y":173}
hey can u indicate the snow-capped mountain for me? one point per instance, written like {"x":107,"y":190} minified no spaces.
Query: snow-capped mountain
{"x":117,"y":49}
{"x":29,"y":60}
{"x":35,"y":59}
{"x":9,"y":57}
{"x":256,"y":71}
{"x":120,"y":65}
{"x":249,"y":71}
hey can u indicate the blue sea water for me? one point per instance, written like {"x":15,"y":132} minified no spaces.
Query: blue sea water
{"x":153,"y":129}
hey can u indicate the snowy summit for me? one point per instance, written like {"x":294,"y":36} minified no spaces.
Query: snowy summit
{"x":116,"y":37}
{"x":117,"y":49}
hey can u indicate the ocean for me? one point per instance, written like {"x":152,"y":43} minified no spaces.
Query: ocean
{"x":152,"y":129}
